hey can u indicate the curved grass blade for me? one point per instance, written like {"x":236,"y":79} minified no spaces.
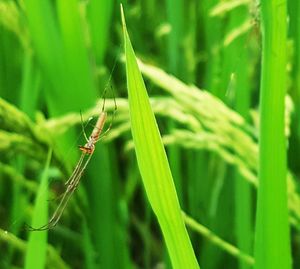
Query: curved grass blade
{"x":153,"y":165}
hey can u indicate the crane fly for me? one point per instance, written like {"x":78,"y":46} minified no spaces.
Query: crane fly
{"x":86,"y":154}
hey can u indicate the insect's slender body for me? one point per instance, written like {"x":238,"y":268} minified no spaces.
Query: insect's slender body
{"x":73,"y":181}
{"x":89,"y":147}
{"x":86,"y":155}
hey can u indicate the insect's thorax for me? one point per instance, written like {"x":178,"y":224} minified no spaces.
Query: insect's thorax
{"x":89,"y":147}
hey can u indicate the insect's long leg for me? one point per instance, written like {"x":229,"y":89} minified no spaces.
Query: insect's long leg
{"x":76,"y":180}
{"x":104,"y":99}
{"x":85,"y":136}
{"x":70,"y":190}
{"x":76,"y":169}
{"x":58,"y":212}
{"x":72,"y":184}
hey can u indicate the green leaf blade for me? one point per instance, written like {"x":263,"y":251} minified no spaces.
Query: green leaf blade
{"x":153,"y":165}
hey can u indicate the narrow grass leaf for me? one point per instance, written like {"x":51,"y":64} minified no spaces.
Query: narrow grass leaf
{"x":153,"y":165}
{"x":37,"y":242}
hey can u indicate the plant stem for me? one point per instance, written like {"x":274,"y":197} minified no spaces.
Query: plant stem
{"x":272,"y":245}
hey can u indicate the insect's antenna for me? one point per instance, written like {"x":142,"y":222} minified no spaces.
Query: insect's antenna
{"x":113,"y":114}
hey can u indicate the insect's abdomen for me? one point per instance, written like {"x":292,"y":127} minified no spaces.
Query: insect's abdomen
{"x":99,"y":126}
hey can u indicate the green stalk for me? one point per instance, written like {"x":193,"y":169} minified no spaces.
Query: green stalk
{"x":153,"y":165}
{"x":102,"y":208}
{"x":30,"y":86}
{"x":37,"y":241}
{"x":243,"y":201}
{"x":77,"y":71}
{"x":272,"y":244}
{"x":212,"y":37}
{"x":99,"y":16}
{"x":47,"y":46}
{"x":10,"y":55}
{"x":297,"y":59}
{"x":174,"y":16}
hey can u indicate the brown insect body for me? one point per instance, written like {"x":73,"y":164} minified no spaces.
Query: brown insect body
{"x":89,"y":147}
{"x":98,"y":127}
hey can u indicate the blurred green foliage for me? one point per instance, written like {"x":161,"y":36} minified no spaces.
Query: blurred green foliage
{"x":56,"y":58}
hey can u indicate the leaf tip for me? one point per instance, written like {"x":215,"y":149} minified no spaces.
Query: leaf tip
{"x":122,"y":16}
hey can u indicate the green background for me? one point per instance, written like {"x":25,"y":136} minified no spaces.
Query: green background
{"x":56,"y":59}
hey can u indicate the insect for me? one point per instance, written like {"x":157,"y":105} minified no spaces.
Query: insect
{"x":86,"y":154}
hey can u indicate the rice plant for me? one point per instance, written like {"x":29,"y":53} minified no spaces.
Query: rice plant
{"x":200,"y":166}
